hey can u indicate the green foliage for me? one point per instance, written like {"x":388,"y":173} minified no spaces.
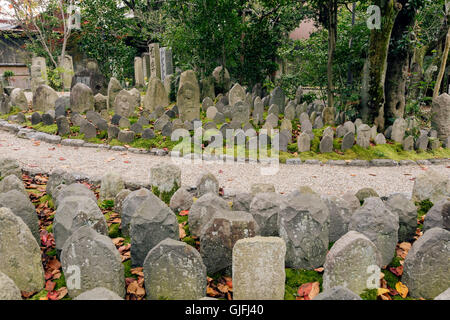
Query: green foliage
{"x":423,"y":207}
{"x":369,"y":294}
{"x":54,"y":78}
{"x":8,"y":74}
{"x":106,"y":204}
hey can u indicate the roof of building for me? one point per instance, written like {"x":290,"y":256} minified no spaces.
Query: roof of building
{"x":8,"y":25}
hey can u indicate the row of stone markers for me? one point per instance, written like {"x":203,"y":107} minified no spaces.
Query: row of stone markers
{"x":257,"y":236}
{"x":157,"y":63}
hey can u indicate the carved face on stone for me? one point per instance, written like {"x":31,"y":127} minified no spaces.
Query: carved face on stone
{"x":187,"y":102}
{"x":123,"y":107}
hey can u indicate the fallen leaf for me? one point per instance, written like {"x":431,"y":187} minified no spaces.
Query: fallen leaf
{"x":184,"y":213}
{"x":398,"y":271}
{"x":401,"y":289}
{"x":320,"y":270}
{"x":382,"y":291}
{"x":53,"y":295}
{"x":181,"y":230}
{"x":62,"y":159}
{"x":211,"y":292}
{"x":222,"y":288}
{"x":62,"y":292}
{"x":50,"y":285}
{"x":309,"y":290}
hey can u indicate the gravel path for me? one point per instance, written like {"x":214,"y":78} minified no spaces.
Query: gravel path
{"x":332,"y":180}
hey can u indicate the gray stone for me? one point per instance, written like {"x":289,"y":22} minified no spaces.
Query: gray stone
{"x":408,"y":143}
{"x":431,"y":185}
{"x":44,"y":98}
{"x":438,"y":216}
{"x":100,"y":102}
{"x":8,"y":289}
{"x":130,"y":204}
{"x":11,"y":182}
{"x":165,"y":178}
{"x":277,"y":97}
{"x":242,"y":202}
{"x":48,"y":119}
{"x":156,"y":95}
{"x":407,"y":213}
{"x":63,"y":125}
{"x":363,"y":137}
{"x":125,"y":104}
{"x":340,"y":214}
{"x":81,"y":98}
{"x":337,"y":293}
{"x":351,"y":262}
{"x":97,"y":261}
{"x":113,"y":132}
{"x":304,"y":226}
{"x":20,"y":255}
{"x":148,"y":134}
{"x":364,"y":193}
{"x":255,"y":259}
{"x":73,"y":213}
{"x":119,"y":199}
{"x":21,"y":206}
{"x":422,"y":142}
{"x":181,"y":200}
{"x":326,"y":144}
{"x":203,"y":211}
{"x":152,"y":222}
{"x":348,"y":141}
{"x":398,"y":130}
{"x":97,"y":294}
{"x":188,"y":96}
{"x":440,"y":119}
{"x":111,"y":184}
{"x":174,"y":270}
{"x":380,"y":139}
{"x":219,"y":236}
{"x":261,"y":188}
{"x":18,"y":99}
{"x":274,"y":109}
{"x":426,"y":268}
{"x":114,"y":88}
{"x":89,"y":130}
{"x":61,"y":106}
{"x":236,"y":94}
{"x":379,"y":224}
{"x":304,"y":142}
{"x":63,"y":191}
{"x":36,"y":118}
{"x":207,"y":183}
{"x":241,"y":112}
{"x":265,"y":209}
{"x":318,"y":123}
{"x":126,"y":136}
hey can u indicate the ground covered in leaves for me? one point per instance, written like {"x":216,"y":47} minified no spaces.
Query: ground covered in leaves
{"x":300,"y":284}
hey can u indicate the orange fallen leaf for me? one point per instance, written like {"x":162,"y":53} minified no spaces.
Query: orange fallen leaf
{"x":181,"y":230}
{"x":401,"y":289}
{"x":211,"y":292}
{"x":184,"y":213}
{"x":382,"y":291}
{"x":309,"y":290}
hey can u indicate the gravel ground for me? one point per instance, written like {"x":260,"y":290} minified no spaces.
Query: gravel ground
{"x":332,"y":180}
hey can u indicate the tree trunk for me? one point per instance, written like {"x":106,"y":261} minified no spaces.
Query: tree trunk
{"x":417,"y":71}
{"x":373,"y":97}
{"x":437,"y":86}
{"x":332,"y":35}
{"x":398,"y":64}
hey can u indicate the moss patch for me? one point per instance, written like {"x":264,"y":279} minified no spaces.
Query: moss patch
{"x":295,"y":278}
{"x":369,"y":294}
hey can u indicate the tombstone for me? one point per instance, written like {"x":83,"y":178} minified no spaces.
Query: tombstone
{"x":258,"y":111}
{"x":425,"y":270}
{"x":350,"y":127}
{"x":265,"y":207}
{"x":438,"y":216}
{"x":68,"y":71}
{"x":100,"y":102}
{"x":236,"y":94}
{"x":277,"y":97}
{"x":308,"y":213}
{"x":10,"y":166}
{"x":138,"y":72}
{"x":408,"y":143}
{"x":42,"y":67}
{"x":130,"y":204}
{"x":48,"y":119}
{"x":8,"y":289}
{"x":348,"y":141}
{"x":165,"y":179}
{"x":146,"y":66}
{"x":440,"y":119}
{"x":124,"y":104}
{"x":219,"y":236}
{"x":431,"y":185}
{"x":351,"y":262}
{"x":203,"y":210}
{"x":304,"y":142}
{"x":165,"y":54}
{"x":188,"y":96}
{"x":155,"y":63}
{"x":63,"y":125}
{"x":255,"y":259}
{"x":96,"y":259}
{"x":289,"y":113}
{"x":18,"y":99}
{"x":74,"y":212}
{"x":373,"y":219}
{"x":241,"y":112}
{"x":380,"y":139}
{"x":111,"y":184}
{"x":88,"y":129}
{"x":152,"y":222}
{"x":44,"y":99}
{"x":318,"y":123}
{"x":174,"y":270}
{"x":114,"y":88}
{"x":36,"y":118}
{"x":81,"y":98}
{"x":407,"y":213}
{"x":20,"y":205}
{"x":340,"y":215}
{"x":181,"y":200}
{"x":422,"y":142}
{"x":398,"y":130}
{"x":337,"y":293}
{"x":5,"y":105}
{"x":125,"y":136}
{"x":20,"y":255}
{"x":363,"y":138}
{"x":328,"y":116}
{"x":97,"y":294}
{"x":91,"y":77}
